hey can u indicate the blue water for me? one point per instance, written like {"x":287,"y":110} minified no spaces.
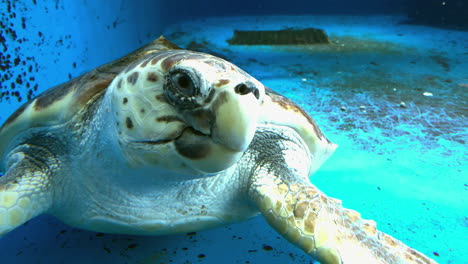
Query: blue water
{"x":404,"y":167}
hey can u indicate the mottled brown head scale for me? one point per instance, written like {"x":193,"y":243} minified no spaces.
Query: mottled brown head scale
{"x":216,"y":64}
{"x":145,"y":63}
{"x":129,"y":122}
{"x":152,"y":77}
{"x":222,"y":82}
{"x":132,"y":78}
{"x":156,"y":58}
{"x":168,"y":63}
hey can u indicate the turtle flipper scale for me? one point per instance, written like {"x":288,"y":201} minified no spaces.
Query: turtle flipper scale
{"x":24,"y":189}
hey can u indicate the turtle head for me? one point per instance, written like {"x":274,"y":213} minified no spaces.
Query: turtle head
{"x":185,"y":111}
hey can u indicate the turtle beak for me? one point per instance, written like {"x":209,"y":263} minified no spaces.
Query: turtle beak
{"x":236,"y":117}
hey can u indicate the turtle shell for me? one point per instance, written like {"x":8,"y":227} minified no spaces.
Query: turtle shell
{"x":59,"y":104}
{"x":279,"y":110}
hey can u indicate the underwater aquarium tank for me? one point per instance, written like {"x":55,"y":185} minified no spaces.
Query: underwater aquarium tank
{"x":387,"y":81}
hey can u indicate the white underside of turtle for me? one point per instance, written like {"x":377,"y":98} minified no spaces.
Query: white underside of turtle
{"x":165,"y":141}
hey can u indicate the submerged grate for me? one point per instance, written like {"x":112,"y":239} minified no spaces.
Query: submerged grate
{"x":306,"y":36}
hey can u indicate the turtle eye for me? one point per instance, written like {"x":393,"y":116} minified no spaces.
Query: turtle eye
{"x":183,"y":84}
{"x":181,"y":88}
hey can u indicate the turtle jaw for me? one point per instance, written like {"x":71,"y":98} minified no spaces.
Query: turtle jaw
{"x":197,"y":150}
{"x":202,"y":153}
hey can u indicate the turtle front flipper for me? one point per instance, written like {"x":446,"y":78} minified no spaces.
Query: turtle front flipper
{"x":25,"y":188}
{"x":309,"y":219}
{"x":320,"y":226}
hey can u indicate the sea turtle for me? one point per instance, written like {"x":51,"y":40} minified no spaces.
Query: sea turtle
{"x":166,"y":140}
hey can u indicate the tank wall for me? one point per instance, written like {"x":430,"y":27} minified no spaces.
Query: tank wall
{"x":44,"y":43}
{"x":188,"y":8}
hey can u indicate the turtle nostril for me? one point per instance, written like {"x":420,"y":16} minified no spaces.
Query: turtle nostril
{"x":242,"y":89}
{"x":256,"y":93}
{"x":246,"y":88}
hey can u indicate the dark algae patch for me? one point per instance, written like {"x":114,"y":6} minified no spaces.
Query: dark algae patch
{"x":17,"y":81}
{"x":267,"y":248}
{"x":132,"y":246}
